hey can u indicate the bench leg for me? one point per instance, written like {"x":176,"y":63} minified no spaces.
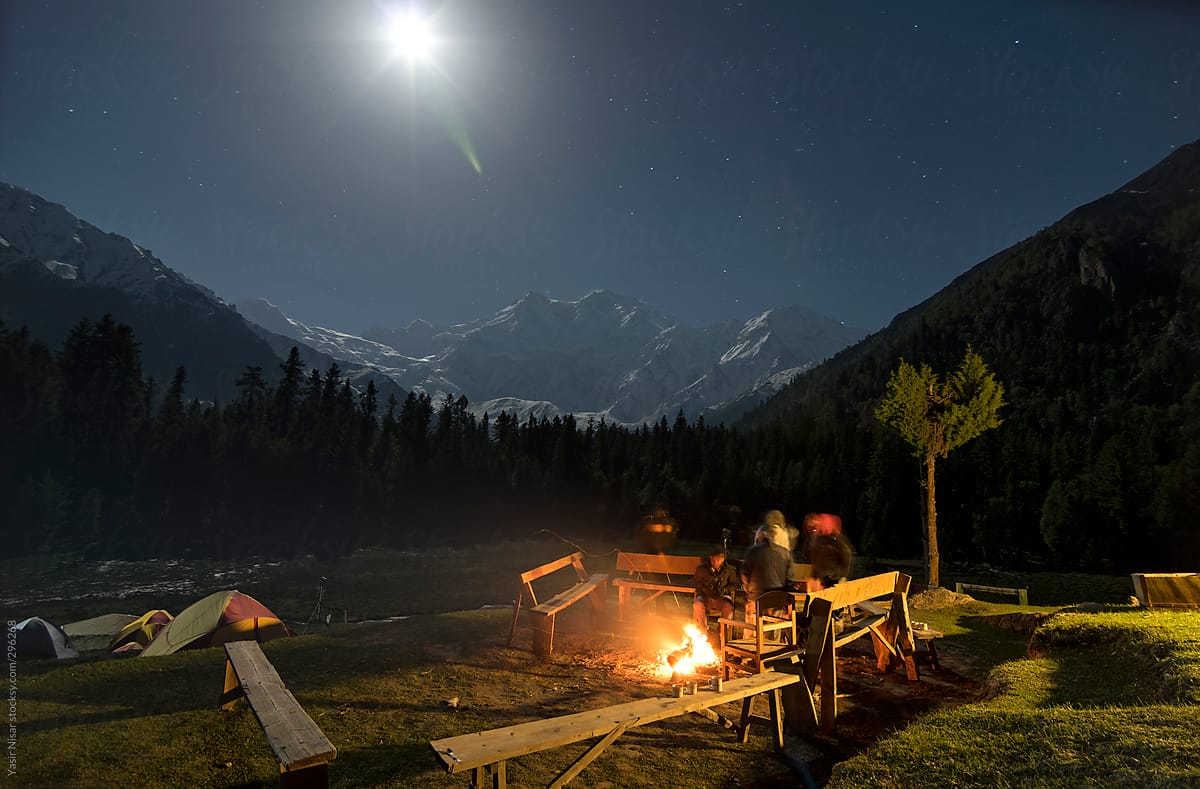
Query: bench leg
{"x":315,"y":777}
{"x":829,"y":688}
{"x":589,"y":757}
{"x":799,"y":709}
{"x":543,"y":635}
{"x":512,"y":631}
{"x":233,"y":687}
{"x":933,"y":658}
{"x":776,"y":717}
{"x":744,"y":723}
{"x":599,"y":601}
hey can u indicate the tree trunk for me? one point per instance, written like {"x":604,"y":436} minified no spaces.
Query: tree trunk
{"x":932,"y":558}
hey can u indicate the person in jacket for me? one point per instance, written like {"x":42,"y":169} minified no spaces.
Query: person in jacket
{"x":716,"y":583}
{"x":767,"y":566}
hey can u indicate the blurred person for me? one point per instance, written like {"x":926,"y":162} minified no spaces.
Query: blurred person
{"x":785,"y":534}
{"x":826,"y":548}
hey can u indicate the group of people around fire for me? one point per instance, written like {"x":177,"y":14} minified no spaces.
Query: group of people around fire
{"x":768,"y":564}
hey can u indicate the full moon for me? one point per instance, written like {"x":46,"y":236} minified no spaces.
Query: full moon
{"x":412,"y":37}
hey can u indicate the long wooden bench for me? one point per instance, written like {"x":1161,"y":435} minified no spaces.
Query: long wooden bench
{"x":302,"y":749}
{"x":1022,"y":595}
{"x":487,"y":751}
{"x":593,"y":587}
{"x":642,"y":571}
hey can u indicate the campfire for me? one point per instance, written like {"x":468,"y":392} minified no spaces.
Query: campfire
{"x":687,"y":657}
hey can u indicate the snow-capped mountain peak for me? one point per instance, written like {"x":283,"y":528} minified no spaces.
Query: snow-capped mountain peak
{"x":603,"y":355}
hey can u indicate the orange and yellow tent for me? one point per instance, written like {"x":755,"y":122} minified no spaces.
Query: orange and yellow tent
{"x":140,"y":631}
{"x":217,"y":619}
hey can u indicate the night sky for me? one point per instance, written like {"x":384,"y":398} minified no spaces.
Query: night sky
{"x":712,"y":159}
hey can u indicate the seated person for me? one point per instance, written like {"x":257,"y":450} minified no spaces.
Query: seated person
{"x":767,"y":566}
{"x":716,"y":583}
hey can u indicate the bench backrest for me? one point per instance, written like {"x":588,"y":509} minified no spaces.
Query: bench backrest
{"x":680,"y":565}
{"x":573,"y":560}
{"x":657,"y":563}
{"x":858,"y":590}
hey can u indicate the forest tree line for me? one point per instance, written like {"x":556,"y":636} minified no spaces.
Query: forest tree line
{"x":99,"y":459}
{"x":96,"y":458}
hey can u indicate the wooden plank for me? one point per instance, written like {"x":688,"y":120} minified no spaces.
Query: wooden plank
{"x":1168,"y":590}
{"x":858,"y":629}
{"x":1022,"y":594}
{"x":569,"y":596}
{"x":468,"y":751}
{"x":293,"y":736}
{"x":1139,"y":587}
{"x":799,"y":707}
{"x":829,"y":687}
{"x":630,"y":583}
{"x":549,"y":567}
{"x":856,"y":591}
{"x":661,"y":563}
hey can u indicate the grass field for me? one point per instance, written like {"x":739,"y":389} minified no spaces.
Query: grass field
{"x":1110,"y":698}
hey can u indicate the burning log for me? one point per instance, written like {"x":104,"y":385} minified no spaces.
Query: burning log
{"x":684,"y":660}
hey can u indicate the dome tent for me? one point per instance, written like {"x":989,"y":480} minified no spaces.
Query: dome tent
{"x":217,"y":619}
{"x":95,"y":633}
{"x":141,"y":631}
{"x":38,"y":639}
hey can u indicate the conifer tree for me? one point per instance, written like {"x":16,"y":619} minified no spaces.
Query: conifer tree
{"x":934,"y":417}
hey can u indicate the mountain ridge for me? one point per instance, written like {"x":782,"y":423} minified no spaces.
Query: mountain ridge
{"x":604,"y":355}
{"x":56,"y":269}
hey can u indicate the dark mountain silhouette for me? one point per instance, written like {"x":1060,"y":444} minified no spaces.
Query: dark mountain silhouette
{"x":1093,"y":326}
{"x":56,"y":269}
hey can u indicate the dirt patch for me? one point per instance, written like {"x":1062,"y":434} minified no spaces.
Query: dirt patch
{"x":938,"y":598}
{"x":1021,"y":623}
{"x":871,"y":705}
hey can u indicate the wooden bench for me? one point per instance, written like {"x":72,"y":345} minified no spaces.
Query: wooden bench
{"x":921,"y":635}
{"x":887,"y":623}
{"x":1167,"y":590}
{"x":486,"y":751}
{"x":679,"y":571}
{"x":1021,"y":594}
{"x":302,"y":749}
{"x":593,"y":587}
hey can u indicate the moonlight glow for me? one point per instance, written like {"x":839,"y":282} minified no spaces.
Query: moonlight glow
{"x":412,"y":37}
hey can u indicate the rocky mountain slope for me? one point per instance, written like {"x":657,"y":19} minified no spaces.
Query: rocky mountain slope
{"x":56,"y":269}
{"x":604,"y":355}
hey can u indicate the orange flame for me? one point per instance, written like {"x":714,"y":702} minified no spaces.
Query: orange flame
{"x":696,"y":652}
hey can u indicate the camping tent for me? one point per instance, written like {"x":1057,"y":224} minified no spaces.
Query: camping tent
{"x":39,"y":639}
{"x":141,"y":631}
{"x":95,"y":633}
{"x":217,"y":619}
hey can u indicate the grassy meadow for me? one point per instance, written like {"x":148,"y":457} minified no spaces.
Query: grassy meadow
{"x":1109,"y":697}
